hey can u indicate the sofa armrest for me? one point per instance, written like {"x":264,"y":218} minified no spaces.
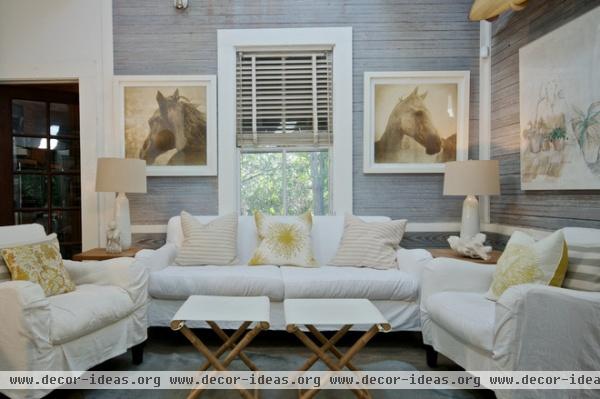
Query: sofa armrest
{"x":547,"y":328}
{"x":126,"y":273}
{"x":157,"y":259}
{"x":25,"y":314}
{"x":413,"y":261}
{"x":446,"y":274}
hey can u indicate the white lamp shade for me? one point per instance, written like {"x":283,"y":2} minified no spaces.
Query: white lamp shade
{"x":472,"y":178}
{"x":121,"y":175}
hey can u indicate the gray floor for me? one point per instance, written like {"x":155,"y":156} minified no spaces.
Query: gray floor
{"x":167,"y":350}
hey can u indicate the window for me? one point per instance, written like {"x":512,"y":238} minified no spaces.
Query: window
{"x":284,"y":130}
{"x":285,"y":182}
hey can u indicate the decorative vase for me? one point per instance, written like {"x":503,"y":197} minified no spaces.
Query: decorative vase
{"x":535,"y":144}
{"x":558,"y":144}
{"x":113,"y":239}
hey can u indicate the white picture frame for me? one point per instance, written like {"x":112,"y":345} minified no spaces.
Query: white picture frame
{"x":394,"y":83}
{"x":183,"y":83}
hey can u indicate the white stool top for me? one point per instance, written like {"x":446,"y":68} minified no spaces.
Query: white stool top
{"x":224,"y":308}
{"x":335,"y":311}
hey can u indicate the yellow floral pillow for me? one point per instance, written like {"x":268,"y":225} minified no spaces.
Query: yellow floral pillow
{"x":40,"y":263}
{"x":525,"y":261}
{"x":285,"y":244}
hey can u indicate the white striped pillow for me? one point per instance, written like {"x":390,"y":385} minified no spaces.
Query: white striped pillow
{"x":369,"y":244}
{"x":584,"y":268}
{"x":214,"y":243}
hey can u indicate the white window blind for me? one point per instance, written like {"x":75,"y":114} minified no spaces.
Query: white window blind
{"x":284,"y":98}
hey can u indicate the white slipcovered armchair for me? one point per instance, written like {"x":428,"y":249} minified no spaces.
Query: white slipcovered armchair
{"x":531,"y":327}
{"x":101,"y":319}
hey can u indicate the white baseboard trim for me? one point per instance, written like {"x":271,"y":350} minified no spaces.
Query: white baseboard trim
{"x":503,"y":229}
{"x":432,"y":227}
{"x":507,"y":230}
{"x":148,"y":228}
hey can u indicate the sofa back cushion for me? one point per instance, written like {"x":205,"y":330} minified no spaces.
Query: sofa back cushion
{"x":21,"y":233}
{"x":326,"y":234}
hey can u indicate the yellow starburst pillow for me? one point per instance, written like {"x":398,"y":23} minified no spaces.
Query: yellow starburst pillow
{"x":527,"y":261}
{"x":284,"y":244}
{"x":40,"y":263}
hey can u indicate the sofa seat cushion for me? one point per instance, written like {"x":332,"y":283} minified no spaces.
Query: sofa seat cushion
{"x":179,"y":282}
{"x":349,"y":282}
{"x":467,"y":316}
{"x":87,"y":309}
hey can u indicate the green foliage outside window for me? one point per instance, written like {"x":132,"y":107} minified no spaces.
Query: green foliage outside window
{"x":285,"y":182}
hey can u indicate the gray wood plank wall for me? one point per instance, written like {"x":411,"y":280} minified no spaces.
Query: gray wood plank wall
{"x":151,"y":37}
{"x":542,"y":209}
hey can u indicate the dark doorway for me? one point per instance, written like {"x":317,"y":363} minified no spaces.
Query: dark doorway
{"x":39,"y":159}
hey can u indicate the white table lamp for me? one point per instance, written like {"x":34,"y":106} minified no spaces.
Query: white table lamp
{"x":471,"y":178}
{"x":118,"y":175}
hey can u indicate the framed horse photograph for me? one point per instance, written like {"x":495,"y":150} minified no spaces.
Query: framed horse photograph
{"x":170,"y":122}
{"x":415,"y":122}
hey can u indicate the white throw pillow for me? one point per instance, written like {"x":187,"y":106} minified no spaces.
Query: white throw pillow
{"x":527,"y":261}
{"x":371,"y":244}
{"x":213,"y":243}
{"x":583,"y":272}
{"x":284,"y":244}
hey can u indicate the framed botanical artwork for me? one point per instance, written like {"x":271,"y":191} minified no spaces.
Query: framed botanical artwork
{"x":170,"y":122}
{"x":415,"y":122}
{"x":560,"y":107}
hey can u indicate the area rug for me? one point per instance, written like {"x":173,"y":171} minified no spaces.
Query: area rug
{"x":167,"y":360}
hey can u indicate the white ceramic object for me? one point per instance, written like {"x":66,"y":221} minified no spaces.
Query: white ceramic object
{"x":123,"y":220}
{"x":473,"y":247}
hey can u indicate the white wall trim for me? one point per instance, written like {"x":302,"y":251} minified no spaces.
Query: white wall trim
{"x":86,"y":75}
{"x":148,"y":228}
{"x":231,"y":39}
{"x":485,"y":105}
{"x":507,"y":230}
{"x":104,"y":140}
{"x":411,"y":228}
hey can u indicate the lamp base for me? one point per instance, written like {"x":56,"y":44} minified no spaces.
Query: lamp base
{"x":469,"y":226}
{"x":123,"y":220}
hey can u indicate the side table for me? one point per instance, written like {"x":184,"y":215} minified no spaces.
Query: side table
{"x":450,"y":253}
{"x":101,"y":254}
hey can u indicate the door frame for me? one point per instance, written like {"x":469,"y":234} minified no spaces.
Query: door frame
{"x":91,"y":140}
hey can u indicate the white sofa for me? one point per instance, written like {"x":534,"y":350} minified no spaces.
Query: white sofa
{"x":395,"y":292}
{"x":101,"y":319}
{"x":531,"y":327}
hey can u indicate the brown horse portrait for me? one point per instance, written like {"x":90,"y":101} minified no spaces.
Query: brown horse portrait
{"x":411,"y":117}
{"x":177,"y":124}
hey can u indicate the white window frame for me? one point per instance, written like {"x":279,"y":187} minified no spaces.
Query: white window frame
{"x":232,"y":40}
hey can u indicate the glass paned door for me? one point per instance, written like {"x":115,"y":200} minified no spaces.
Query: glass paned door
{"x":40,"y":125}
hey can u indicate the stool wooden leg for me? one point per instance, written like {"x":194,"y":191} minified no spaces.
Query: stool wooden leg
{"x":336,"y":337}
{"x":334,"y":366}
{"x":214,"y":361}
{"x":323,"y":339}
{"x":245,"y":341}
{"x":231,"y":341}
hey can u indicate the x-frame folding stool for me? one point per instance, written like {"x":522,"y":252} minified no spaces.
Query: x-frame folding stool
{"x":332,"y":312}
{"x":211,"y":309}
